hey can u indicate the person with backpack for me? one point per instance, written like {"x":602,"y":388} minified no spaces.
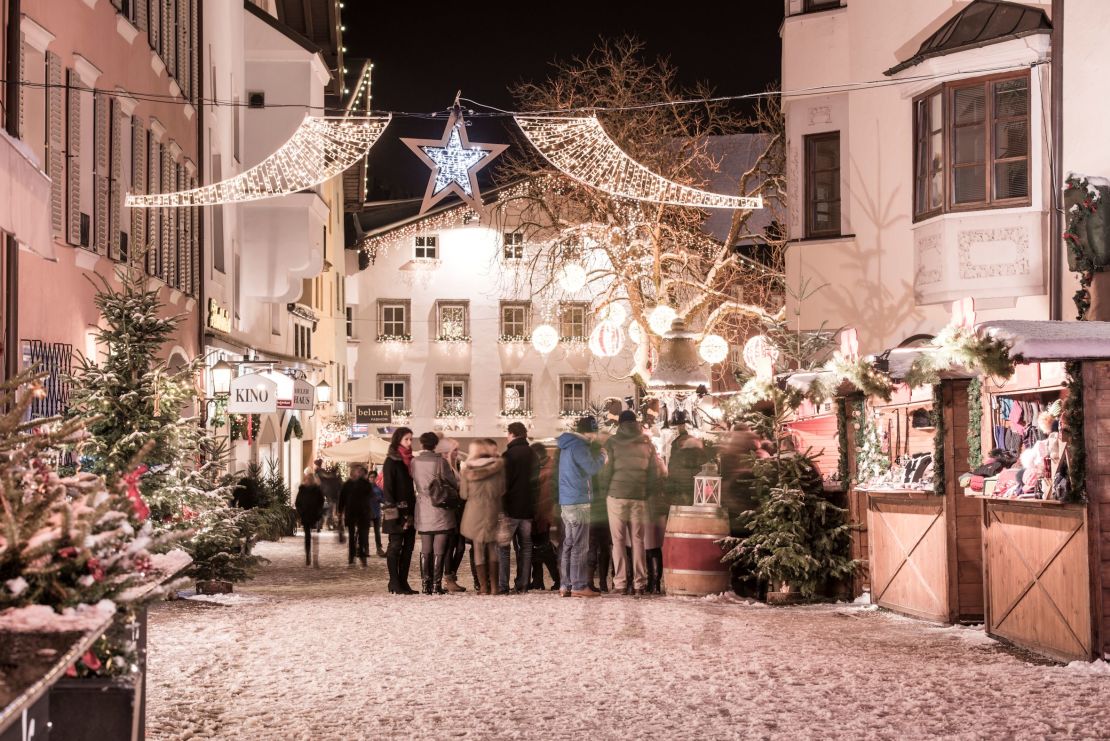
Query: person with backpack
{"x":437,"y":486}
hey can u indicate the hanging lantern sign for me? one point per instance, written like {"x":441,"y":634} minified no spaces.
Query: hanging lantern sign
{"x":606,"y":340}
{"x":252,"y":394}
{"x":572,"y":277}
{"x":545,"y":338}
{"x":760,"y":352}
{"x":713,"y":349}
{"x":661,"y":318}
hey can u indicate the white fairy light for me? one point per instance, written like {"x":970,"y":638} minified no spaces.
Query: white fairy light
{"x":613,"y":312}
{"x":757,"y":351}
{"x":580,"y":148}
{"x":606,"y":340}
{"x":713,"y":349}
{"x":545,"y":338}
{"x":636,"y":333}
{"x":572,"y":277}
{"x":319,"y":149}
{"x":660,"y":319}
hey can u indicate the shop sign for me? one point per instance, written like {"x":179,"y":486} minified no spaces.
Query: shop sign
{"x":303,"y":396}
{"x":252,"y":394}
{"x":219,"y":318}
{"x":378,"y":412}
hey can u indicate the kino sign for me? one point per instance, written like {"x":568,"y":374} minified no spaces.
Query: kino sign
{"x":252,"y":394}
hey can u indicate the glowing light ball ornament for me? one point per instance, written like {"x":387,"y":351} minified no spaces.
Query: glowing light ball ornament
{"x":661,"y":318}
{"x":572,"y":277}
{"x":545,"y":338}
{"x":636,"y":332}
{"x":512,"y":400}
{"x":713,"y":349}
{"x":613,"y":312}
{"x":606,"y":340}
{"x":760,"y":355}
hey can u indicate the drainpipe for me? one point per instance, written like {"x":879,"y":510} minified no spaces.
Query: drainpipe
{"x":13,"y":74}
{"x":1056,"y":149}
{"x":202,"y":293}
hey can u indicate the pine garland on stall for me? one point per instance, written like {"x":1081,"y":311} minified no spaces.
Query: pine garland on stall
{"x":871,"y":462}
{"x":937,"y":415}
{"x":1078,"y":259}
{"x":844,"y":466}
{"x":1073,"y":427}
{"x":974,"y":424}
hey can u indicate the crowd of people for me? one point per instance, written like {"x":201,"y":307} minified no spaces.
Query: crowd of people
{"x":587,"y":510}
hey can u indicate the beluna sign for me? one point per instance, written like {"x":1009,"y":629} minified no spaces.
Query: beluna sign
{"x":376,"y":412}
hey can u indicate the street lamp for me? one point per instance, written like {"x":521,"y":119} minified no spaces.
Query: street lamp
{"x":221,"y":378}
{"x":323,"y":392}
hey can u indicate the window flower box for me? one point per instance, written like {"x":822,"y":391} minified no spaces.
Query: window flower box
{"x":403,"y":338}
{"x":516,"y":413}
{"x":453,"y":339}
{"x":514,"y":339}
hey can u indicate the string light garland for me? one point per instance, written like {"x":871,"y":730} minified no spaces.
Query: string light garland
{"x":580,"y":148}
{"x":319,"y":149}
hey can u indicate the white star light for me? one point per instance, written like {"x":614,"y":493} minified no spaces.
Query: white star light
{"x":454,"y":162}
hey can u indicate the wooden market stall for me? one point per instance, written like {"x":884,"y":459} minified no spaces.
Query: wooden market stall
{"x":1046,"y":550}
{"x":923,"y":536}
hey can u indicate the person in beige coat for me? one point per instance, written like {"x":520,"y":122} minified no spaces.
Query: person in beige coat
{"x":483,"y":486}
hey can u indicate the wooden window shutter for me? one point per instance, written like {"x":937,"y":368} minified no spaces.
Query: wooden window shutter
{"x":184,"y":65}
{"x":22,"y":88}
{"x":169,"y":37}
{"x":142,"y":15}
{"x":194,"y":248}
{"x":102,"y":159}
{"x":73,"y":158}
{"x":168,"y":216}
{"x":194,"y":52}
{"x":115,"y":182}
{"x":155,"y":28}
{"x":55,"y":141}
{"x":138,"y":185}
{"x":153,"y":215}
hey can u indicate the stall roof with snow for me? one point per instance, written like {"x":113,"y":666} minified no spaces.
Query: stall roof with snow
{"x":1032,"y":341}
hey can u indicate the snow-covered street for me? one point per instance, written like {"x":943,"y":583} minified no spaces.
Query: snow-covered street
{"x":302,"y":653}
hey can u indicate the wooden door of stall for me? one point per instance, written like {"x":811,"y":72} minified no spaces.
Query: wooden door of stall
{"x":1037,"y":577}
{"x":908,"y":537}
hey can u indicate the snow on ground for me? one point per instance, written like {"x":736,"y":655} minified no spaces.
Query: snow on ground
{"x":328,"y":654}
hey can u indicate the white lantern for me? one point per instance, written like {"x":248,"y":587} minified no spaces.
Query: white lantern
{"x":545,"y":338}
{"x":572,"y":277}
{"x":613,"y":312}
{"x":758,"y":350}
{"x":606,"y":340}
{"x":660,"y":319}
{"x":707,"y":486}
{"x":636,"y":332}
{"x":713,"y":349}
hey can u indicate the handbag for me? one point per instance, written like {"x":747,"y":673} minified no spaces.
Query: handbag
{"x":443,"y":493}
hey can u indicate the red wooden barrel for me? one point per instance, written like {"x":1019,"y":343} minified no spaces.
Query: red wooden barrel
{"x":691,"y":557}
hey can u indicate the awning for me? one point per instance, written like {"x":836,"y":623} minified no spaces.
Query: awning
{"x":24,"y":197}
{"x":1048,"y":341}
{"x":369,"y":449}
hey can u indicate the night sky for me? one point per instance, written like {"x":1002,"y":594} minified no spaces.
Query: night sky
{"x":421,"y":58}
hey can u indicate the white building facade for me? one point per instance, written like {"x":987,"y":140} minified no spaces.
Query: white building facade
{"x":921,"y":159}
{"x":441,"y":324}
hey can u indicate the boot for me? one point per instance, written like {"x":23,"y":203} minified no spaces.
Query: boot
{"x":482,"y":578}
{"x":603,"y":570}
{"x":537,"y":569}
{"x":591,"y":571}
{"x":451,"y":583}
{"x":493,"y":567}
{"x":426,"y":572}
{"x":437,"y":566}
{"x":391,"y":567}
{"x":656,"y":557}
{"x":652,"y":577}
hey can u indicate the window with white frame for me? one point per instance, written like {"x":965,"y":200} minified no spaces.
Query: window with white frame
{"x":572,"y":319}
{"x":350,"y":322}
{"x":515,"y":319}
{"x":394,"y":389}
{"x":393,"y":320}
{"x":451,"y":395}
{"x":452,"y":321}
{"x":426,"y":247}
{"x":516,"y":395}
{"x":302,"y":340}
{"x":513,"y":246}
{"x":573,"y":394}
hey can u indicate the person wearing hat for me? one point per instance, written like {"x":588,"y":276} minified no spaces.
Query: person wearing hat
{"x":632,"y":471}
{"x":580,"y":459}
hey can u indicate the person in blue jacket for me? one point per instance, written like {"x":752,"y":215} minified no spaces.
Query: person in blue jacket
{"x":580,"y":459}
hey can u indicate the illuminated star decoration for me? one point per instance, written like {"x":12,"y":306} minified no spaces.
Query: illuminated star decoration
{"x":455,"y":163}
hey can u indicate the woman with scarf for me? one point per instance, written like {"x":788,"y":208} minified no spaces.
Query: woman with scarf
{"x":399,"y":510}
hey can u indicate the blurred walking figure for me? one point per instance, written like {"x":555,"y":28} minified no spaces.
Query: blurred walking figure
{"x":310,"y":509}
{"x":375,"y":513}
{"x":329,"y":480}
{"x":545,"y":519}
{"x":456,"y":543}
{"x":356,"y":501}
{"x":483,"y":489}
{"x":580,"y":459}
{"x":398,"y":510}
{"x":433,"y":523}
{"x":520,"y":508}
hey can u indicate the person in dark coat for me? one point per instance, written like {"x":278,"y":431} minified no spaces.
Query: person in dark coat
{"x":520,"y":507}
{"x":310,"y":508}
{"x":399,"y":510}
{"x":245,"y":494}
{"x":376,"y":513}
{"x":543,"y":551}
{"x":356,"y":499}
{"x":329,"y":481}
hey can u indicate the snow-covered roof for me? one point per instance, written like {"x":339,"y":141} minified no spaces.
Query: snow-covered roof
{"x":1034,"y":341}
{"x":901,"y":359}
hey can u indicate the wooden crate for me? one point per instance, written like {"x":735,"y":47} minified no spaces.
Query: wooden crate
{"x":1037,"y":576}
